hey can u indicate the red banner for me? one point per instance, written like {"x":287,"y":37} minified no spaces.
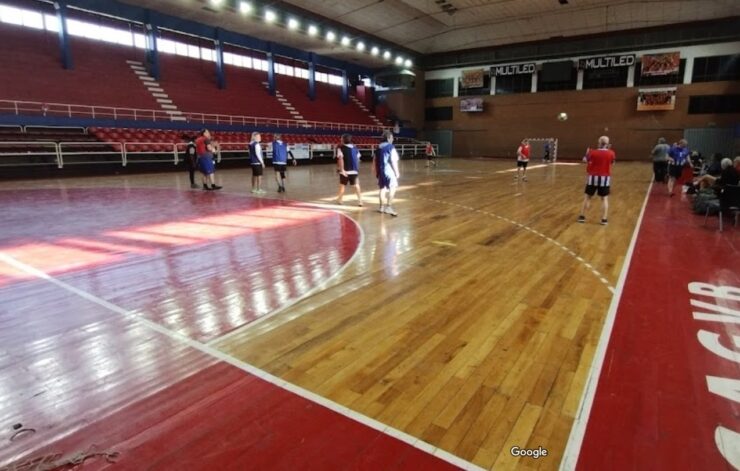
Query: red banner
{"x":661,"y":64}
{"x":656,"y":99}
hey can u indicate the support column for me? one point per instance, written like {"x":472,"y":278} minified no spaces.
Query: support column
{"x":312,"y":76}
{"x":345,"y":88}
{"x":270,"y":70}
{"x":152,"y":52}
{"x":493,"y":85}
{"x":579,"y":80}
{"x":61,"y":9}
{"x":535,"y":78}
{"x":219,"y":51}
{"x":688,"y":71}
{"x":631,"y":76}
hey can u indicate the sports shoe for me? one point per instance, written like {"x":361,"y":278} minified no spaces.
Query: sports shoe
{"x":255,"y":191}
{"x":207,"y":188}
{"x":194,"y":186}
{"x":389,"y":210}
{"x":604,"y":222}
{"x":581,"y":219}
{"x":216,"y":187}
{"x":381,"y":209}
{"x":524,"y":179}
{"x":359,"y":203}
{"x":261,"y":192}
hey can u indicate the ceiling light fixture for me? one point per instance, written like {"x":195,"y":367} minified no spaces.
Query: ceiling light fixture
{"x":245,"y":7}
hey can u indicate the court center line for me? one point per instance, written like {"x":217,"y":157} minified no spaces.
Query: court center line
{"x":578,"y":430}
{"x":244,"y":366}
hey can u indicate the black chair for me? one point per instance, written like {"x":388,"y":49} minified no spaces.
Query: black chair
{"x":729,"y":202}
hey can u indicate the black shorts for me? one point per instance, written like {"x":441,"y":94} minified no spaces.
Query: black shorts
{"x":350,"y":179}
{"x":280,"y":167}
{"x":675,"y":170}
{"x":522,"y":163}
{"x":256,"y":170}
{"x":430,"y":157}
{"x":593,"y":189}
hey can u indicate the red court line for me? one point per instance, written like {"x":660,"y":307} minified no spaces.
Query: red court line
{"x":668,"y":393}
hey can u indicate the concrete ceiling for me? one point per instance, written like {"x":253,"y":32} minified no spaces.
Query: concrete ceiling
{"x":431,"y":26}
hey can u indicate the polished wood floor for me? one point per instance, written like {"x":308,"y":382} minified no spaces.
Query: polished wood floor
{"x":470,"y":321}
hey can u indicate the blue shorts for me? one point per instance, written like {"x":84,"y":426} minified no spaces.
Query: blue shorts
{"x":387,"y":181}
{"x":205,"y":164}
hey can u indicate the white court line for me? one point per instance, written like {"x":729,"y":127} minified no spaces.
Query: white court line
{"x":253,"y":370}
{"x":292,"y":302}
{"x":575,"y":440}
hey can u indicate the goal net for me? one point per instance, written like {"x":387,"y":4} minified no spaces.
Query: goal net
{"x":543,"y":148}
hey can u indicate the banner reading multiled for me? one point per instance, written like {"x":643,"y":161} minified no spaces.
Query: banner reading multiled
{"x":607,"y":61}
{"x":516,"y":69}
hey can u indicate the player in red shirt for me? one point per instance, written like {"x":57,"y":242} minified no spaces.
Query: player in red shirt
{"x":522,"y":159}
{"x":599,"y":170}
{"x":204,"y":148}
{"x":430,"y":155}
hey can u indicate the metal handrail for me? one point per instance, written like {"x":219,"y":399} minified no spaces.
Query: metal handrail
{"x":120,"y":152}
{"x":123,"y":149}
{"x":57,"y":153}
{"x":19,"y":107}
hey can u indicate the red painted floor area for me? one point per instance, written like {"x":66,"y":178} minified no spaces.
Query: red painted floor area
{"x":199,"y":263}
{"x":82,"y":375}
{"x":669,"y":393}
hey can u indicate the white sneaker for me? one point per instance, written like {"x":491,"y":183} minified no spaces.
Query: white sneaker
{"x":254,"y":191}
{"x":389,"y":210}
{"x":381,"y":209}
{"x":261,"y":192}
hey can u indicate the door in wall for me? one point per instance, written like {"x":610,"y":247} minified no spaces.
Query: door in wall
{"x":710,"y":141}
{"x":441,"y":137}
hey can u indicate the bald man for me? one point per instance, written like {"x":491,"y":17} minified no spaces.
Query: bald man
{"x":599,"y":175}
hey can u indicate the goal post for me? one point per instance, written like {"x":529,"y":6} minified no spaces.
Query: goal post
{"x":537,"y":147}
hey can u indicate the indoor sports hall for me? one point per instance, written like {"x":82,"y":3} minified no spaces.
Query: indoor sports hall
{"x":369,"y":235}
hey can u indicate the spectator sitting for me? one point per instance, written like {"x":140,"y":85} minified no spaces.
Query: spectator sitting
{"x":715,"y":167}
{"x":728,"y":176}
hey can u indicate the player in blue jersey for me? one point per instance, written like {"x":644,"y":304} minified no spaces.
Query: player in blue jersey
{"x":257,"y":162}
{"x":385,"y":167}
{"x":678,"y":156}
{"x":348,"y":167}
{"x":280,"y":155}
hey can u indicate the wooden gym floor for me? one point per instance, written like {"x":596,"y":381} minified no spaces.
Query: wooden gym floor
{"x":218,"y":328}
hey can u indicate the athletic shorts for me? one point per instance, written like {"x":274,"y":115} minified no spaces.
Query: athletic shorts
{"x":387,"y":182}
{"x":430,"y":157}
{"x":522,"y":163}
{"x":256,"y":170}
{"x":206,"y":165}
{"x":598,"y":185}
{"x":350,"y":179}
{"x":675,"y":170}
{"x":280,"y":167}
